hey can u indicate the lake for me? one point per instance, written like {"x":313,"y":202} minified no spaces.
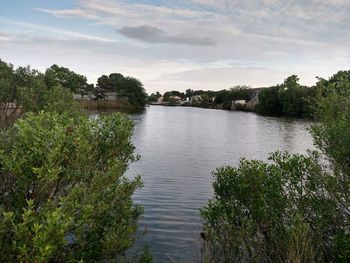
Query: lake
{"x":179,"y":148}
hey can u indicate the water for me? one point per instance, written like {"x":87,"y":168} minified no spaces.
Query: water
{"x":179,"y":148}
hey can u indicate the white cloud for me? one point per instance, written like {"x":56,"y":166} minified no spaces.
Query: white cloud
{"x":257,"y":42}
{"x":54,"y":30}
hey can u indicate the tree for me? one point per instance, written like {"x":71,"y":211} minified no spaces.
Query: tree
{"x":8,"y":95}
{"x":292,"y":97}
{"x":173,"y":93}
{"x":154,"y":97}
{"x":135,"y":91}
{"x":288,"y":99}
{"x":189,"y":93}
{"x":63,"y":194}
{"x":269,"y":102}
{"x":68,"y":79}
{"x":126,"y":87}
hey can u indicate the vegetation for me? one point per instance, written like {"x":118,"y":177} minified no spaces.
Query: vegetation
{"x":225,"y":97}
{"x":126,"y":87}
{"x":294,"y":208}
{"x":68,"y":79}
{"x":63,"y":196}
{"x":288,"y":99}
{"x":25,"y":90}
{"x":167,"y":95}
{"x":154,"y":97}
{"x":28,"y":90}
{"x":208,"y":99}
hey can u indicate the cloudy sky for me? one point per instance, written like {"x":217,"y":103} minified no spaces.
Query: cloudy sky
{"x":180,"y":44}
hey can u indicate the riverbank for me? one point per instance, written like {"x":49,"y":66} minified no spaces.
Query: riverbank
{"x":107,"y":105}
{"x":246,"y":107}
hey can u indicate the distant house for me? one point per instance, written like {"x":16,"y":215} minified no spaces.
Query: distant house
{"x":111,"y":96}
{"x":160,"y":100}
{"x":176,"y":98}
{"x":97,"y":94}
{"x":241,"y":102}
{"x":196,"y":98}
{"x":256,"y":92}
{"x":237,"y":104}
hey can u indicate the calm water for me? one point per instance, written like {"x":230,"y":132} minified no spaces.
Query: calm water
{"x":179,"y":148}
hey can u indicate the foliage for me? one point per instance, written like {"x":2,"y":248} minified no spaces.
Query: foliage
{"x":154,"y":97}
{"x":128,"y":87}
{"x":25,"y":90}
{"x":261,"y":211}
{"x":269,"y":102}
{"x":294,"y":208}
{"x":288,"y":99}
{"x":7,"y":95}
{"x":236,"y":93}
{"x":167,"y":95}
{"x":68,"y":79}
{"x":63,"y":194}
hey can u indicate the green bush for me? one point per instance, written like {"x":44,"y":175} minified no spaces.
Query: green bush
{"x":63,"y":194}
{"x":264,"y":211}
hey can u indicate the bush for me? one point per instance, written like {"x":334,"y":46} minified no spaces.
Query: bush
{"x":63,"y":194}
{"x":293,"y":209}
{"x":266,"y":211}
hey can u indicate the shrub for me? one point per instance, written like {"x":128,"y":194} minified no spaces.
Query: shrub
{"x":63,"y":194}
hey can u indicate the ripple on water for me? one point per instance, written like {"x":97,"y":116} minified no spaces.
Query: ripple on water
{"x":179,"y":148}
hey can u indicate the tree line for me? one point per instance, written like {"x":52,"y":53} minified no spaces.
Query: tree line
{"x":24,"y":83}
{"x":289,"y":99}
{"x":208,"y":99}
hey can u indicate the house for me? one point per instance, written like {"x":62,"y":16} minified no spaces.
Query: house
{"x":237,"y":104}
{"x":176,"y":98}
{"x":111,"y":96}
{"x":196,"y":98}
{"x":241,"y":102}
{"x":160,"y":100}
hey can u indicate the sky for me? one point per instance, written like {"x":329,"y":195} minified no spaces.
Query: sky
{"x":180,"y":44}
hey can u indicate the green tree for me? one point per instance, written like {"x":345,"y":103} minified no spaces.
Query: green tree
{"x":269,"y":102}
{"x":55,"y":75}
{"x":126,"y":87}
{"x":8,"y":95}
{"x":189,"y":93}
{"x":135,"y":92}
{"x":173,"y":93}
{"x":288,"y":99}
{"x":154,"y":97}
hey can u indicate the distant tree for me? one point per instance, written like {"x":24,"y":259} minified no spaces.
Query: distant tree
{"x":269,"y":102}
{"x":104,"y":83}
{"x":135,"y":91}
{"x":154,"y":97}
{"x":126,"y":87}
{"x":221,"y":96}
{"x":189,"y":93}
{"x":288,"y":99}
{"x":198,"y":92}
{"x":68,"y":79}
{"x":173,"y":93}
